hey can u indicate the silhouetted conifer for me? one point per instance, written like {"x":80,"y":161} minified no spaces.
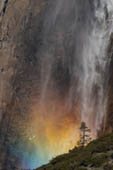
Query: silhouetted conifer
{"x":84,"y":135}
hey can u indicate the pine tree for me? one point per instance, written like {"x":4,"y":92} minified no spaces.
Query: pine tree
{"x":84,"y":135}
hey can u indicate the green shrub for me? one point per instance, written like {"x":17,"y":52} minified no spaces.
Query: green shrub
{"x":112,"y":156}
{"x":81,"y":168}
{"x":99,"y":160}
{"x":108,"y":167}
{"x":95,"y":155}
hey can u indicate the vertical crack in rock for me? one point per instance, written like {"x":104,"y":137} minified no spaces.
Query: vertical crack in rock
{"x":3,"y":6}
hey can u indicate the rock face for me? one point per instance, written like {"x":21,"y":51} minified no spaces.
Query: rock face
{"x":109,"y":116}
{"x":21,"y":23}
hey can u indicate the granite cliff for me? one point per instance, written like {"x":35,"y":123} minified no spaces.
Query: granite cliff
{"x":20,"y":22}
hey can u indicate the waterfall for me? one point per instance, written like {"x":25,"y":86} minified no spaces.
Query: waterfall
{"x":72,"y":66}
{"x":95,"y":64}
{"x":76,"y":36}
{"x":54,"y":74}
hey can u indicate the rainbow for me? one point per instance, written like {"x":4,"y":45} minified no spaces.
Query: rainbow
{"x":49,"y":132}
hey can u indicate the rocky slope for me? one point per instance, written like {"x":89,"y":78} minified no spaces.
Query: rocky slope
{"x":97,"y":155}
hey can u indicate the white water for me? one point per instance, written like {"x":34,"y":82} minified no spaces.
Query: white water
{"x":95,"y":66}
{"x":74,"y":69}
{"x":76,"y":36}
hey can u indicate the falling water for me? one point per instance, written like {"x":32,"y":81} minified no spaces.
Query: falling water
{"x":95,"y":65}
{"x":77,"y":34}
{"x":73,"y":65}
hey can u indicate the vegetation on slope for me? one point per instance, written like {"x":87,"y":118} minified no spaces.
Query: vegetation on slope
{"x":97,"y":155}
